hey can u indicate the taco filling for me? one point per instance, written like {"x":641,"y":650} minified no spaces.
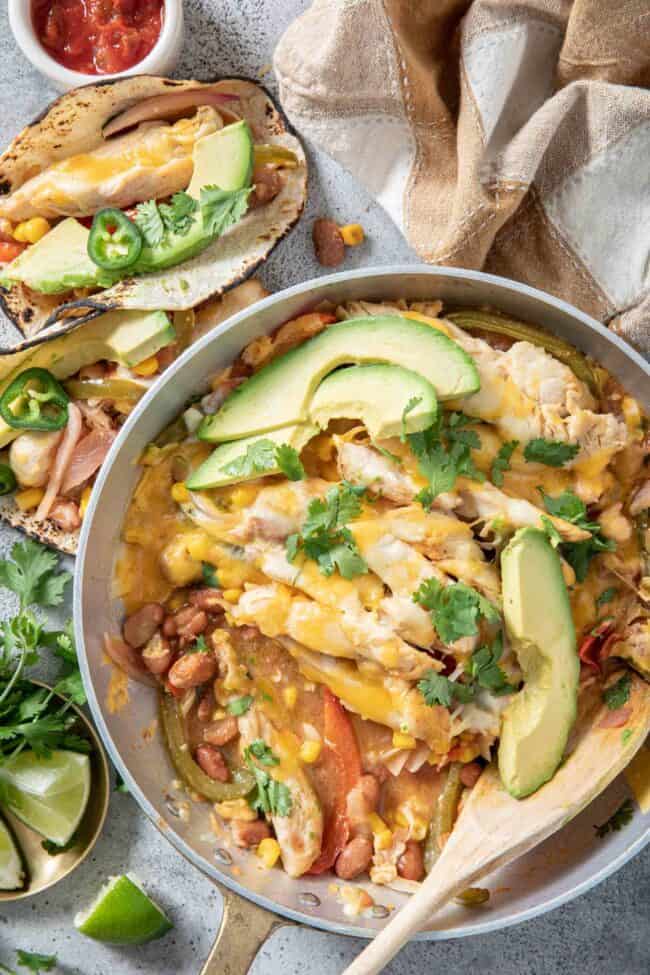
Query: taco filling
{"x":397,"y":546}
{"x":146,"y":193}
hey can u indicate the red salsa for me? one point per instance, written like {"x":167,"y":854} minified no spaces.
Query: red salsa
{"x":98,"y":36}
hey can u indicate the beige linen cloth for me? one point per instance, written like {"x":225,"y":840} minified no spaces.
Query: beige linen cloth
{"x":508,"y":135}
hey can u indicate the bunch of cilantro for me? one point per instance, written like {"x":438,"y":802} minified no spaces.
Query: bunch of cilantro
{"x":35,"y":717}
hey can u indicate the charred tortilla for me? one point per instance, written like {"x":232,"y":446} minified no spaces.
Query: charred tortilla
{"x":73,"y":124}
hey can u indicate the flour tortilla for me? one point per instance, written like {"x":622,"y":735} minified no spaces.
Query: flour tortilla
{"x":208,"y":316}
{"x":73,"y":124}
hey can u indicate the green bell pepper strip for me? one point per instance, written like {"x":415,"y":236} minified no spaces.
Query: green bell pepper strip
{"x":105,"y":389}
{"x":444,"y":816}
{"x":115,"y":241}
{"x":241,"y":780}
{"x":35,"y":400}
{"x":7,"y":479}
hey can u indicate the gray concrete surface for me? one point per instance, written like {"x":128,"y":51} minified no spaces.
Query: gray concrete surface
{"x":604,"y":931}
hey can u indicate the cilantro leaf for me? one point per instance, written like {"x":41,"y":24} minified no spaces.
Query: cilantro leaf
{"x":483,"y":667}
{"x":258,"y":459}
{"x":501,"y":462}
{"x":71,"y":686}
{"x":436,"y":689}
{"x":626,"y":734}
{"x":288,"y":460}
{"x":578,"y":554}
{"x":618,"y":694}
{"x":271,"y":797}
{"x":150,"y":222}
{"x":240,"y":705}
{"x":552,"y":532}
{"x":209,"y":575}
{"x":32,"y":575}
{"x":53,"y":849}
{"x":553,"y":453}
{"x":199,"y":646}
{"x":177,"y":216}
{"x":220,"y":209}
{"x":261,"y":751}
{"x":620,"y":818}
{"x":444,"y":454}
{"x":455,"y":609}
{"x":410,"y":406}
{"x":120,"y":784}
{"x":606,"y":596}
{"x":324,"y":538}
{"x":35,"y":962}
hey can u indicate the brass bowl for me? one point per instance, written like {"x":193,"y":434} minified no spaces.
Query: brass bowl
{"x":44,"y":869}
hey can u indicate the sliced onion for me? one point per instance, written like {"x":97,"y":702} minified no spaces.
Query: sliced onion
{"x":176,"y":103}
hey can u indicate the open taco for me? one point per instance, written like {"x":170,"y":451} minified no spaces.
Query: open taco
{"x":143,"y":194}
{"x":65,"y":395}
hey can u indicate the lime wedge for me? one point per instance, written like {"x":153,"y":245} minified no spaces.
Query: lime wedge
{"x":43,"y":777}
{"x":12,"y":874}
{"x":56,"y":814}
{"x":122,"y":914}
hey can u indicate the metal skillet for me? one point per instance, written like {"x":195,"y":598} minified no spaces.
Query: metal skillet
{"x":258,"y":900}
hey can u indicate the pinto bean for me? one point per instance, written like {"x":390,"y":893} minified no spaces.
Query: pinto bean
{"x":354,"y":859}
{"x":140,"y":626}
{"x":190,"y":623}
{"x":470,"y":774}
{"x":221,"y":732}
{"x":410,"y":865}
{"x":328,"y":243}
{"x":249,"y":834}
{"x":362,"y":800}
{"x":267,"y":183}
{"x":212,"y":762}
{"x":206,"y":707}
{"x":207,"y":599}
{"x":157,"y":655}
{"x":192,"y":669}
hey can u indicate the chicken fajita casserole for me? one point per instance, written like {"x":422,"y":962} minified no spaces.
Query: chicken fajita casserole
{"x":390,"y":544}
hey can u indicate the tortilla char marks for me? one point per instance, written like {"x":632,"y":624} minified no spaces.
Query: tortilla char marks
{"x":45,"y":532}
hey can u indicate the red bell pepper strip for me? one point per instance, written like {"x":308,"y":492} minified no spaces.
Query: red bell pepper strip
{"x":9,"y":250}
{"x":597,"y":645}
{"x":341,"y":767}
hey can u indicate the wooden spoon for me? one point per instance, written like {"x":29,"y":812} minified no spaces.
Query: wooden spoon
{"x":493,"y":828}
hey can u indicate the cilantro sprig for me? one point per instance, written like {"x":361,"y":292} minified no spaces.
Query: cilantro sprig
{"x":618,"y":694}
{"x":271,"y":797}
{"x":219,"y":210}
{"x":264,"y":456}
{"x":436,"y":689}
{"x":324,"y":537}
{"x":33,"y":717}
{"x":33,"y":961}
{"x":578,"y":554}
{"x":444,"y":453}
{"x":501,"y":462}
{"x":455,"y":609}
{"x":552,"y":453}
{"x":481,"y":671}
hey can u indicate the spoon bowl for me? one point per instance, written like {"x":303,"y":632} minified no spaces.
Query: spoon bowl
{"x":45,"y":869}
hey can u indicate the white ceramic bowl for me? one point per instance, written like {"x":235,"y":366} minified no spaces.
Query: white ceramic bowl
{"x":161,"y":60}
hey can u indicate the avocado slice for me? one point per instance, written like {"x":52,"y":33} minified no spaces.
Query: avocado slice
{"x":127,"y":337}
{"x":536,"y":725}
{"x":280,"y":393}
{"x":57,"y":262}
{"x":379,"y":396}
{"x":210,"y":473}
{"x":12,"y":868}
{"x":223,"y":159}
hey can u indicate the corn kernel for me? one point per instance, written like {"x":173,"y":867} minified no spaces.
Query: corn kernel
{"x":401,"y":740}
{"x":383,"y":836}
{"x":180,"y":494}
{"x":235,"y":809}
{"x":310,"y":751}
{"x":148,"y":367}
{"x":29,"y":231}
{"x":242,"y":497}
{"x":290,"y":695}
{"x":123,"y":406}
{"x":29,"y":498}
{"x":352,"y":234}
{"x":269,"y":851}
{"x":232,"y":595}
{"x":85,"y":498}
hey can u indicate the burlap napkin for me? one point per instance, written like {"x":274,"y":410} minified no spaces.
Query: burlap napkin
{"x":509,"y":135}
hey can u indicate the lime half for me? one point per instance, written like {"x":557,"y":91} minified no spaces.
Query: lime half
{"x":56,"y":813}
{"x":12,"y":874}
{"x":122,"y":914}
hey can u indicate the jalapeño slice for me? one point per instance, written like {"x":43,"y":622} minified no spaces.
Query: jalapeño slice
{"x":35,"y":400}
{"x":115,"y":241}
{"x":8,"y":481}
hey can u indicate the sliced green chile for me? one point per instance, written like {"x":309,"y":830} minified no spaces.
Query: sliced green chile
{"x":35,"y":400}
{"x":8,"y":481}
{"x":104,"y":389}
{"x":241,"y":780}
{"x":115,"y":241}
{"x":444,"y":816}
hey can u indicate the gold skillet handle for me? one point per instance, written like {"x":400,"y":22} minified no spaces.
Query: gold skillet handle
{"x":244,"y":929}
